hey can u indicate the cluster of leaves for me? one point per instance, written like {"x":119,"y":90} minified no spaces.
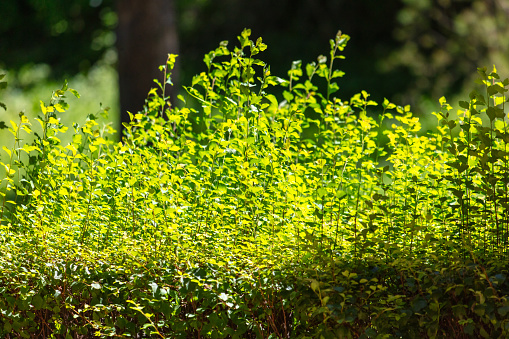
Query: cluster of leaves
{"x":403,"y":299}
{"x":440,"y":46}
{"x":241,"y":214}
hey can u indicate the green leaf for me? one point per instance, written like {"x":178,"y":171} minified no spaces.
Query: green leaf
{"x":7,"y":150}
{"x":73,"y":91}
{"x":321,"y":192}
{"x":7,"y":326}
{"x":459,"y":311}
{"x":244,"y":38}
{"x":484,"y":334}
{"x":503,"y":310}
{"x":337,"y":74}
{"x":333,"y":87}
{"x":469,"y":329}
{"x":491,"y":113}
{"x":310,"y":69}
{"x":260,"y":44}
{"x":464,"y":104}
{"x":37,"y":301}
{"x":315,"y":286}
{"x":494,"y":89}
{"x":418,"y":304}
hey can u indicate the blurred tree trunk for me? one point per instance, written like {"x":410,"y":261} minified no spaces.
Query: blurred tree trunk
{"x":147,"y":32}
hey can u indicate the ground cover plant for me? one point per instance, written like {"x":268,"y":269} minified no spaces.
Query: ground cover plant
{"x":262,"y":207}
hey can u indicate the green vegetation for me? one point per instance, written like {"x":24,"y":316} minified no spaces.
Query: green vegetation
{"x":243,"y":214}
{"x":27,"y":87}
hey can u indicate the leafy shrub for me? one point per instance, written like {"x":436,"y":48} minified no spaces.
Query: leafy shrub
{"x":241,"y":214}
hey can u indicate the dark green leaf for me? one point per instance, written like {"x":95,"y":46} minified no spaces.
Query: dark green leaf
{"x":418,"y":304}
{"x":464,"y":104}
{"x":37,"y":301}
{"x":503,"y":310}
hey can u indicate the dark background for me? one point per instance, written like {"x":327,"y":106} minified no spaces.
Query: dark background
{"x":410,"y":51}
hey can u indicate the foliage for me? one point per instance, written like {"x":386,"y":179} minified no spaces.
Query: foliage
{"x":3,"y":85}
{"x":418,"y":50}
{"x":68,"y":37}
{"x":94,"y":88}
{"x":443,"y":41}
{"x":246,"y":214}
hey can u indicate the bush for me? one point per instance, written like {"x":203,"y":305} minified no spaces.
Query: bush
{"x":261,"y":208}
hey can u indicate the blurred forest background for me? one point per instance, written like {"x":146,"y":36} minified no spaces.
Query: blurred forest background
{"x":410,"y":51}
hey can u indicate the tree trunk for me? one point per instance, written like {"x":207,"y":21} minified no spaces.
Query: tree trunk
{"x":147,"y":32}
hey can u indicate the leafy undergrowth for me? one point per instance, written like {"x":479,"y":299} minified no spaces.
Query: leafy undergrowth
{"x":247,"y":213}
